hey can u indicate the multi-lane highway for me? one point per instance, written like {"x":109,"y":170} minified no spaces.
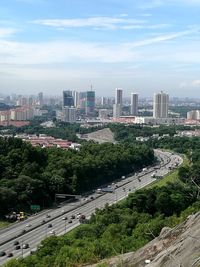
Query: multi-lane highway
{"x":33,"y":230}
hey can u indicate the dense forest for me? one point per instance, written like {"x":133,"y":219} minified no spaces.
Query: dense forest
{"x":30,"y":175}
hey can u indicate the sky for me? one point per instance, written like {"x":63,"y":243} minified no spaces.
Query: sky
{"x":142,"y":46}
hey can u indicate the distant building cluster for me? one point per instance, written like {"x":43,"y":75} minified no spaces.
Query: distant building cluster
{"x":73,"y":100}
{"x":85,"y":107}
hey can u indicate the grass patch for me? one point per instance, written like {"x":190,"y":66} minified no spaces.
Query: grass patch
{"x":4,"y":224}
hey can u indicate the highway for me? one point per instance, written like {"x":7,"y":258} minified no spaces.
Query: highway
{"x":36,"y":231}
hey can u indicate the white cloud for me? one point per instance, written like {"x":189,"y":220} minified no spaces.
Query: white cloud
{"x":97,"y":22}
{"x":6,"y":32}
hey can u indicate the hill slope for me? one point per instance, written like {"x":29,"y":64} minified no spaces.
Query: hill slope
{"x":177,"y":247}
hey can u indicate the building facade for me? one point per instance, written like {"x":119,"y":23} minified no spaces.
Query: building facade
{"x":68,"y":100}
{"x":134,"y":104}
{"x":90,"y":103}
{"x":160,"y":105}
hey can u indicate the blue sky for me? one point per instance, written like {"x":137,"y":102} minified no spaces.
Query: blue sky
{"x":138,"y":45}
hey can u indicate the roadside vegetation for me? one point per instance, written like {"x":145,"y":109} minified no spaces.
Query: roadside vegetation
{"x":32,"y":175}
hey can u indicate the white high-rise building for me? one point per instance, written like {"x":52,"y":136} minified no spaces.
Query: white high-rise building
{"x":134,"y":104}
{"x":193,"y":115}
{"x":160,"y":105}
{"x":117,"y":107}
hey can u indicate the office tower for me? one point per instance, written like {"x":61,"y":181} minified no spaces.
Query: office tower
{"x":90,"y":103}
{"x":118,"y":96}
{"x":40,"y":99}
{"x":75,"y":95}
{"x":103,"y":101}
{"x":69,"y":114}
{"x":68,"y":100}
{"x":81,"y":100}
{"x":134,"y":104}
{"x":160,"y":105}
{"x":117,"y":107}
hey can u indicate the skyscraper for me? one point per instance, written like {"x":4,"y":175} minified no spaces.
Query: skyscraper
{"x":118,"y":96}
{"x":134,"y":104}
{"x":160,"y":105}
{"x":40,"y":99}
{"x":68,"y":100}
{"x":117,"y":107}
{"x":90,"y":103}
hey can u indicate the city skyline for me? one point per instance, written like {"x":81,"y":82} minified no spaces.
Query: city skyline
{"x":50,"y":46}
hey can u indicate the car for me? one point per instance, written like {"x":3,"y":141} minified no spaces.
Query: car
{"x":92,"y":198}
{"x":50,"y":225}
{"x":2,"y":253}
{"x":28,"y":225}
{"x":23,"y":231}
{"x":64,"y":218}
{"x":73,"y":217}
{"x":48,"y":216}
{"x":17,"y":247}
{"x":9,"y":254}
{"x":70,"y":221}
{"x":16,"y":243}
{"x":43,"y":221}
{"x":52,"y":232}
{"x":25,"y":246}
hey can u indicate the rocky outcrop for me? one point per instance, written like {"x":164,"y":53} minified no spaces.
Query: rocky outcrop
{"x":177,"y":247}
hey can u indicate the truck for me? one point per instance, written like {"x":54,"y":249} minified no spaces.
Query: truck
{"x":82,"y":219}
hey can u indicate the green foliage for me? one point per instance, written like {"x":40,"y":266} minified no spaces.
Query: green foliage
{"x":31,"y":175}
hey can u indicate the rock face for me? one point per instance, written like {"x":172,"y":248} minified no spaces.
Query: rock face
{"x":100,"y":136}
{"x":177,"y":247}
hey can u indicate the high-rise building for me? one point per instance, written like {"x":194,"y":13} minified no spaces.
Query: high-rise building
{"x":117,"y":107}
{"x":193,"y":115}
{"x":75,"y":95}
{"x":118,"y":96}
{"x":68,"y":100}
{"x":40,"y":99}
{"x":160,"y":105}
{"x":90,"y":103}
{"x":134,"y":104}
{"x":117,"y":110}
{"x":69,"y":114}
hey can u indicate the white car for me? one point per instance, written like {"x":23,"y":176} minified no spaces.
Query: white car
{"x":52,"y":232}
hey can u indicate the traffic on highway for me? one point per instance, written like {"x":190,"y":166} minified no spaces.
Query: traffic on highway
{"x":22,"y":238}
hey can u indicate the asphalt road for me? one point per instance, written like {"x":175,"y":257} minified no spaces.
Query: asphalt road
{"x":36,"y":231}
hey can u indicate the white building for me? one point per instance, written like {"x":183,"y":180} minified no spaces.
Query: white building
{"x":160,"y":105}
{"x":117,"y":107}
{"x":158,"y":121}
{"x":134,"y":104}
{"x":117,"y":110}
{"x":193,"y":115}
